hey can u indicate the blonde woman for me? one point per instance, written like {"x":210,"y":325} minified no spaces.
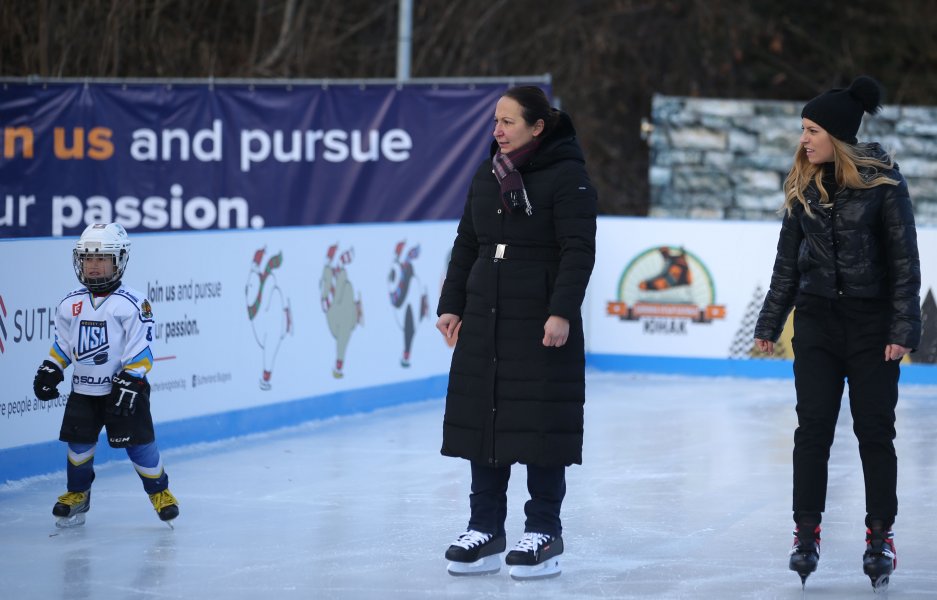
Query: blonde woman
{"x":847,"y":260}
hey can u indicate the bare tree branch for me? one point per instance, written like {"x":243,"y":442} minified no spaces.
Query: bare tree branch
{"x":283,"y":40}
{"x":607,"y":57}
{"x":255,"y":39}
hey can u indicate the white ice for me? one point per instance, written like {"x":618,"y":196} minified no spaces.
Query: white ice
{"x":684,"y":492}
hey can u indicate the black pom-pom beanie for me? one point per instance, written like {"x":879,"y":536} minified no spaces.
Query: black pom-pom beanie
{"x":839,"y":111}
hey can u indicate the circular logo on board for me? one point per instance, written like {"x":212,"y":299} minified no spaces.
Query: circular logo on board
{"x":666,"y":282}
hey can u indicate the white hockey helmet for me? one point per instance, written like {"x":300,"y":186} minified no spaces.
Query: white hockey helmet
{"x":108,"y":239}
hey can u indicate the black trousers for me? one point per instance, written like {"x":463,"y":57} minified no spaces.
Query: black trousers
{"x":836,"y":341}
{"x":489,"y":499}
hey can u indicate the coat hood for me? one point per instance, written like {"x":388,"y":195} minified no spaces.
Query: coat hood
{"x":876,"y":151}
{"x":560,"y":144}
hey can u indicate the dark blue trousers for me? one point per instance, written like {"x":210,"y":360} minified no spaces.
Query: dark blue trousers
{"x":837,"y":341}
{"x":489,"y":499}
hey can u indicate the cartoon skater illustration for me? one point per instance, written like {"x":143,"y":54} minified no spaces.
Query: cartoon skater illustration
{"x":268,"y":310}
{"x":407,"y":296}
{"x":673,"y":282}
{"x":342,"y":311}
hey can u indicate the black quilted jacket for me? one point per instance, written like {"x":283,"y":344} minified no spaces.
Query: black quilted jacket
{"x":510,"y":399}
{"x":864,"y":246}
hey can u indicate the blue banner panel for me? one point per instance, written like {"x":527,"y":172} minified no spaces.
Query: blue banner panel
{"x":193,"y":156}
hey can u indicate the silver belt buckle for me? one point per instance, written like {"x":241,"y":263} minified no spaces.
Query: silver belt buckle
{"x":499,"y":250}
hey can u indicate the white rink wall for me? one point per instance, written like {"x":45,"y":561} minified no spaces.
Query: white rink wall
{"x":211,"y":354}
{"x":731,"y":263}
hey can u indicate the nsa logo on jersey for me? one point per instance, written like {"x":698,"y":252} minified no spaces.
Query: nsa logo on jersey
{"x":92,"y":342}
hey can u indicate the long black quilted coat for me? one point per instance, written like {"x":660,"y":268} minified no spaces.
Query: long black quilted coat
{"x":865,"y":246}
{"x":510,"y":399}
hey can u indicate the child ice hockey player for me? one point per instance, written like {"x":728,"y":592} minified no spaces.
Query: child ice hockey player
{"x":104,"y":328}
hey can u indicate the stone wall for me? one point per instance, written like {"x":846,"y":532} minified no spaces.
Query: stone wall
{"x":727,"y":159}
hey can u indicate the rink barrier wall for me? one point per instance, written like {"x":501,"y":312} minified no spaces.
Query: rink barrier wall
{"x":50,"y":457}
{"x":716,"y":367}
{"x":208,"y":378}
{"x":222,"y":369}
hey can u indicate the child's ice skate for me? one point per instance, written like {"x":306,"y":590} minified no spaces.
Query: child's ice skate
{"x":166,"y":505}
{"x":70,"y":509}
{"x":535,"y":556}
{"x":475,"y":553}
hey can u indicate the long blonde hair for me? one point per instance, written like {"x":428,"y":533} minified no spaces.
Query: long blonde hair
{"x":848,"y":159}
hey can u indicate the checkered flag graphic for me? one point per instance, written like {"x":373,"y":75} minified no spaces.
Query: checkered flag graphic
{"x":927,"y":351}
{"x":743,"y":343}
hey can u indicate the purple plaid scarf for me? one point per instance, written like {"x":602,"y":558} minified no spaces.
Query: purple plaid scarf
{"x":513,"y":194}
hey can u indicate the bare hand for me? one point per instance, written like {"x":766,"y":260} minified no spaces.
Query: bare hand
{"x":449,"y":325}
{"x":765,"y":346}
{"x":555,"y":331}
{"x":895,"y":352}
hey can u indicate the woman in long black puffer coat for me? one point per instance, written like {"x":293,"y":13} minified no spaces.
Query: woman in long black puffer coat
{"x":848,"y":261}
{"x":520,"y":264}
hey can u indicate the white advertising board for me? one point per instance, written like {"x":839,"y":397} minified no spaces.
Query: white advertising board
{"x":244,"y":319}
{"x":690,"y":288}
{"x":254,"y":327}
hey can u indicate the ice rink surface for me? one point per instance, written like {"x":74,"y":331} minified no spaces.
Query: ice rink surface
{"x":684,"y":492}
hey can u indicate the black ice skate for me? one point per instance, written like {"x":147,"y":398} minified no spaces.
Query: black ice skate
{"x":535,"y":556}
{"x":805,"y":553}
{"x":880,"y":558}
{"x":475,"y":553}
{"x":70,"y":510}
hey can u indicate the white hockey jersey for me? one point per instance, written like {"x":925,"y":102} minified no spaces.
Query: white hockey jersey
{"x":103,"y":336}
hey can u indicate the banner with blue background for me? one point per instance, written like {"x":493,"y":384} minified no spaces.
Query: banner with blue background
{"x":194,"y":156}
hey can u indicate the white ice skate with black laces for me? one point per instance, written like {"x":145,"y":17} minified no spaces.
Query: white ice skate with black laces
{"x":535,"y":556}
{"x":70,"y":509}
{"x":475,"y":553}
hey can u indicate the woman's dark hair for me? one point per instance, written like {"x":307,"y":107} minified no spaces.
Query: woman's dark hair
{"x":534,"y":105}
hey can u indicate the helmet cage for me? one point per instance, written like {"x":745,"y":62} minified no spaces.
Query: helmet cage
{"x":102,"y":240}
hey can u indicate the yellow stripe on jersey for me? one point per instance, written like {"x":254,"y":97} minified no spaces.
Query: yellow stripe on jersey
{"x":58,"y":357}
{"x":142,"y":361}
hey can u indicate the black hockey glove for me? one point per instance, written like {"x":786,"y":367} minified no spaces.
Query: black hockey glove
{"x":127,"y":392}
{"x":48,"y":377}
